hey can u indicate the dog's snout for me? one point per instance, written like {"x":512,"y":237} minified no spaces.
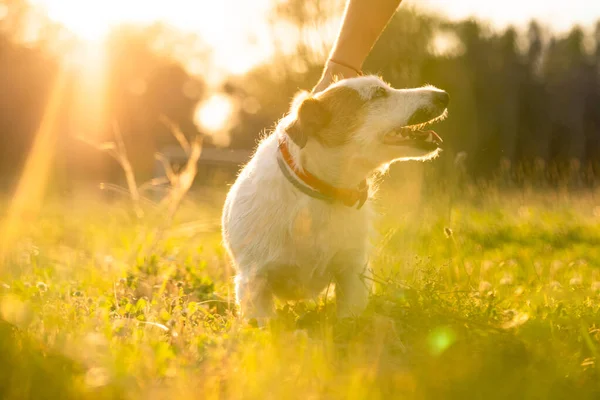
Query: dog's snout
{"x":441,"y":99}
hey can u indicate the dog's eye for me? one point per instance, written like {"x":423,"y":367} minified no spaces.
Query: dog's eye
{"x":379,"y":93}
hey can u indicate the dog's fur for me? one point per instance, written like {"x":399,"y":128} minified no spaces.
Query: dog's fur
{"x":287,"y":244}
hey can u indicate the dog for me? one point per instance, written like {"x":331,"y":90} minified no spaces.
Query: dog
{"x":298,"y":217}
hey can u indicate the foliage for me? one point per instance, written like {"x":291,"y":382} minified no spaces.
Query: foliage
{"x":490,"y":298}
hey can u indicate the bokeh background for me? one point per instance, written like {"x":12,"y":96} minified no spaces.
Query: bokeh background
{"x":524,"y":81}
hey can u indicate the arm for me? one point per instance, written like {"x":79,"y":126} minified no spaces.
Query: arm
{"x":362,"y":24}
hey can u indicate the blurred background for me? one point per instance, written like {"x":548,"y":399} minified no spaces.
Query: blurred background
{"x":524,"y":78}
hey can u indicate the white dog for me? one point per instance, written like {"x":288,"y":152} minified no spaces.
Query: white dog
{"x":298,"y":216}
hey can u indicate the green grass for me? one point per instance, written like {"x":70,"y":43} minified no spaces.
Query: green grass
{"x":495,"y":298}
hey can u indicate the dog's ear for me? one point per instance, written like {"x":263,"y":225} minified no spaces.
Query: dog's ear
{"x":311,"y":117}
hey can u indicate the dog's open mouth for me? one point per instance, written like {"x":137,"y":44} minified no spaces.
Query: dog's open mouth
{"x":416,"y":135}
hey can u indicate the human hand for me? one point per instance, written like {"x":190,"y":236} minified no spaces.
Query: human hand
{"x":332,"y":72}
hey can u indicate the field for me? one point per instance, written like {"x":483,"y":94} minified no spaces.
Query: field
{"x":494,"y":295}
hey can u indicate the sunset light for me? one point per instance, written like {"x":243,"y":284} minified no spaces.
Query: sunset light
{"x":246,"y":199}
{"x":238,"y":31}
{"x":89,"y":21}
{"x":212,"y":116}
{"x":239,"y":40}
{"x":559,"y":15}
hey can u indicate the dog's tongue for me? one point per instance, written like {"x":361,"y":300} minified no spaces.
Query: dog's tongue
{"x":427,"y":136}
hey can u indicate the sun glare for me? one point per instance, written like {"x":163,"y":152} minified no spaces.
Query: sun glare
{"x":238,"y":31}
{"x":213,"y":114}
{"x":34,"y":178}
{"x":235,"y":30}
{"x":89,"y":21}
{"x":559,"y":15}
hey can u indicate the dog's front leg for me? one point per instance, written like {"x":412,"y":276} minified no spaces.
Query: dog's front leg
{"x":254,"y":297}
{"x":352,"y":287}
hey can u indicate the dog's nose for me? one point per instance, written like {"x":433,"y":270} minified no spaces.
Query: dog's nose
{"x":441,"y":99}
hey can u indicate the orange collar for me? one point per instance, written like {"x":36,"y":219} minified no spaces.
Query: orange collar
{"x":315,"y":187}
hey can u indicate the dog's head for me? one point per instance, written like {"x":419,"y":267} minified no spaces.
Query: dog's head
{"x":369,"y":121}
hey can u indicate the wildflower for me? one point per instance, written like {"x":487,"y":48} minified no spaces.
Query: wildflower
{"x":576,"y":281}
{"x":42,"y":287}
{"x":519,"y":291}
{"x":556,"y":265}
{"x":96,"y":377}
{"x":485,"y":286}
{"x":506,"y":280}
{"x":486,"y":265}
{"x":555,"y":285}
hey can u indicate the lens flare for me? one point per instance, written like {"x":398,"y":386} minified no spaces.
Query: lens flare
{"x":440,"y":339}
{"x":213,"y":115}
{"x":32,"y":184}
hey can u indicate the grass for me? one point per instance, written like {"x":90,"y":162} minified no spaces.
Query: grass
{"x":495,"y":296}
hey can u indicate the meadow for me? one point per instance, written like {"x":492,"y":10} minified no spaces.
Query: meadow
{"x":492,"y":294}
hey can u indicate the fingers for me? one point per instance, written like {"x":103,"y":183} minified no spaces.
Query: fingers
{"x":326,"y":80}
{"x":332,"y":73}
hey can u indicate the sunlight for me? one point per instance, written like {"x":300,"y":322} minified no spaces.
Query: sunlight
{"x":89,"y":21}
{"x":446,"y":44}
{"x":239,"y":40}
{"x":559,"y":15}
{"x":32,"y":184}
{"x":239,"y":34}
{"x":87,"y":118}
{"x":213,"y":114}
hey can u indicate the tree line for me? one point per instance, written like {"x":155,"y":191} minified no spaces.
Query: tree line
{"x":525,"y":105}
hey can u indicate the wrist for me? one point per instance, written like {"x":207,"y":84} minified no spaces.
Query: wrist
{"x":341,"y":71}
{"x":336,"y":63}
{"x":334,"y":71}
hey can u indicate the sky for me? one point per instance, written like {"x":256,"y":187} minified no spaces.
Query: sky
{"x":240,"y":39}
{"x":232,"y":27}
{"x":560,"y":15}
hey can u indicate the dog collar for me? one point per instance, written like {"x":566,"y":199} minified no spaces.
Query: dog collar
{"x":315,"y":187}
